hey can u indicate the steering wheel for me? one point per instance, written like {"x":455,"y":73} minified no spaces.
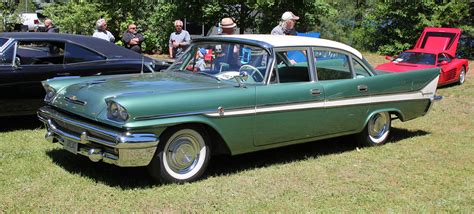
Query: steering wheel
{"x":254,"y":71}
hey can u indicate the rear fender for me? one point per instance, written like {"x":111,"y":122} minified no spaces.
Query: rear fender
{"x":392,"y":111}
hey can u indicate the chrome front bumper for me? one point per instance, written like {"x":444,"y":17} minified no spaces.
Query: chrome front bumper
{"x":111,"y":146}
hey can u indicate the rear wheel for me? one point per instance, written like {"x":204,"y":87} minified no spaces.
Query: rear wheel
{"x":376,"y":131}
{"x":182,"y":155}
{"x":462,"y":76}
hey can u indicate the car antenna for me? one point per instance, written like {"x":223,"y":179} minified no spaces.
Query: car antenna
{"x":143,"y":59}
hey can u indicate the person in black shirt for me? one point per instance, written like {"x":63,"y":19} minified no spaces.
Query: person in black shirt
{"x":132,"y":40}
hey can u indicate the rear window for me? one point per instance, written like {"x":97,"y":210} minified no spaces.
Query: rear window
{"x":416,"y":58}
{"x":75,"y":53}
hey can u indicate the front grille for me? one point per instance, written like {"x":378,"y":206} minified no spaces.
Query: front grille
{"x":77,"y":131}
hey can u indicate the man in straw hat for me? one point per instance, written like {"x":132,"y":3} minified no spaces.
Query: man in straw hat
{"x":228,"y":26}
{"x":286,"y":25}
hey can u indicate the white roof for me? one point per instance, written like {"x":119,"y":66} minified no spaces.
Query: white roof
{"x":285,"y":41}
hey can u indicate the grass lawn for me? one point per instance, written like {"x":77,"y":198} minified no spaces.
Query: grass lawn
{"x":427,"y":166}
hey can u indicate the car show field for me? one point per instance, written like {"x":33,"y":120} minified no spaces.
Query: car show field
{"x":427,"y":165}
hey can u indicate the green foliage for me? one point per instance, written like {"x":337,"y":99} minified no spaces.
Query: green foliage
{"x":160,"y":25}
{"x":333,"y":24}
{"x":8,"y":15}
{"x":75,"y":18}
{"x":155,"y":22}
{"x":393,"y":26}
{"x":25,"y":6}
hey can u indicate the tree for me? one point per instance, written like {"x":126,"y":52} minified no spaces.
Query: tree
{"x":8,"y":15}
{"x":75,"y":17}
{"x":393,"y":27}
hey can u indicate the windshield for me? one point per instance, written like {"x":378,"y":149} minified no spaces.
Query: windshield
{"x":3,"y":41}
{"x":416,"y":58}
{"x":6,"y":57}
{"x":223,"y":61}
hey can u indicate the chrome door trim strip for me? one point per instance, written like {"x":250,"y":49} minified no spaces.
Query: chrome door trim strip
{"x":428,"y":92}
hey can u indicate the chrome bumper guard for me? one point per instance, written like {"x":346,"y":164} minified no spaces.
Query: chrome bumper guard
{"x":433,"y":99}
{"x":119,"y":148}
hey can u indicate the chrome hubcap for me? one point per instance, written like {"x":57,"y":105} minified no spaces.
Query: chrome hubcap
{"x":379,"y":126}
{"x":182,"y":153}
{"x":462,"y":76}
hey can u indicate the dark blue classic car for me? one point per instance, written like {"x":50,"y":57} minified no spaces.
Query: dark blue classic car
{"x":28,"y":58}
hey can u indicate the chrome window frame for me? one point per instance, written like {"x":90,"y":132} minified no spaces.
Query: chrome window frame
{"x":311,"y":70}
{"x":346,"y":53}
{"x":369,"y":71}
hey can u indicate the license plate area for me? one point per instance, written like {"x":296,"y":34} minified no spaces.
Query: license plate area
{"x":70,"y":146}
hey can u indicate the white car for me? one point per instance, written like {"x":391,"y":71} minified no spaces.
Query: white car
{"x":31,"y":20}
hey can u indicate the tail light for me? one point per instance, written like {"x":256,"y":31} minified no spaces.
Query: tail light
{"x":36,"y":21}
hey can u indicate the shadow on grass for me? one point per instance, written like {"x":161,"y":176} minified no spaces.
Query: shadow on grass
{"x":129,"y":178}
{"x":19,"y":122}
{"x":223,"y":165}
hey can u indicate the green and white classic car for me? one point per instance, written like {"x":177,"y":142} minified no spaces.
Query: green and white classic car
{"x":231,"y":95}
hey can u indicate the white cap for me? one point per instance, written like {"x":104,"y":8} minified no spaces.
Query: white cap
{"x":288,"y":15}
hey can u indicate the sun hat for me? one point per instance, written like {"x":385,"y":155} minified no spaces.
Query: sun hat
{"x":288,"y":15}
{"x":228,"y":23}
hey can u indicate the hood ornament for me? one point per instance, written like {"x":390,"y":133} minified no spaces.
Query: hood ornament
{"x":75,"y":100}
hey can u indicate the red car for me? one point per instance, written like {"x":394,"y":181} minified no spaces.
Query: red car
{"x":436,"y":47}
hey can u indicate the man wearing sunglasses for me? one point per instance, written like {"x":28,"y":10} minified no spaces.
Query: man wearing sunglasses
{"x":179,"y":40}
{"x":132,"y":40}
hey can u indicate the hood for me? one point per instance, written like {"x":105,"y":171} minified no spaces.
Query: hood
{"x":439,"y":40}
{"x":88,"y":98}
{"x":401,"y":67}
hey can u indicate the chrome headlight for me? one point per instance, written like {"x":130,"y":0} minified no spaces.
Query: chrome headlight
{"x":50,"y":93}
{"x":116,"y":112}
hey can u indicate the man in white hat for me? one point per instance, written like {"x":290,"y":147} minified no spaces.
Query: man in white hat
{"x":287,"y":24}
{"x":228,"y":26}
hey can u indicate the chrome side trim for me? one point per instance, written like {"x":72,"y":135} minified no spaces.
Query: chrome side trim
{"x":151,"y":117}
{"x":204,"y":112}
{"x":428,"y":92}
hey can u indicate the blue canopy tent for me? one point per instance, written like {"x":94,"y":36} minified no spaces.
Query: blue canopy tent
{"x":298,"y":56}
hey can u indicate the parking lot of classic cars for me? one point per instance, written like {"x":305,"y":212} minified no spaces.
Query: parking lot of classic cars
{"x":29,"y":58}
{"x":231,"y":95}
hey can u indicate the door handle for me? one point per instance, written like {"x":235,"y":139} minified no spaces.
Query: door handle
{"x":362,"y":88}
{"x":315,"y":91}
{"x":63,"y":74}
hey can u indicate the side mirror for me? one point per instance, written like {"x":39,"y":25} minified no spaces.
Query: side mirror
{"x":389,"y":58}
{"x":444,"y":62}
{"x":241,"y":78}
{"x":244,"y":75}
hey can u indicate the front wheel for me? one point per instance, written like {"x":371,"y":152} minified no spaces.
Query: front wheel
{"x":376,"y":131}
{"x":462,"y":76}
{"x":182,"y":155}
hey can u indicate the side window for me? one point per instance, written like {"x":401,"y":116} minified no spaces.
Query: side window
{"x":360,"y":70}
{"x":443,"y":57}
{"x":7,"y":55}
{"x":332,"y":65}
{"x":40,"y":52}
{"x":76,"y":53}
{"x":291,"y":66}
